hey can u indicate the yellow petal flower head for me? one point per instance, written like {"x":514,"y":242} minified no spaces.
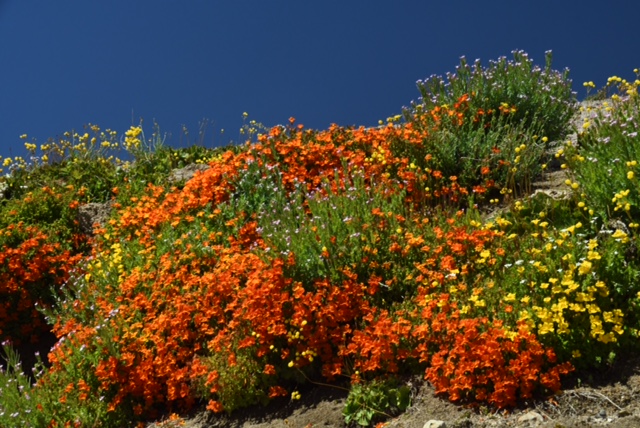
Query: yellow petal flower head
{"x":585,"y":267}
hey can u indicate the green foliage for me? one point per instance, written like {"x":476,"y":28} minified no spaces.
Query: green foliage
{"x":15,"y":386}
{"x":257,"y":187}
{"x":97,"y":176}
{"x":540,"y":95}
{"x":63,"y":396}
{"x":354,"y":228}
{"x":375,"y":400}
{"x":605,"y":162}
{"x":508,"y":152}
{"x":239,"y":384}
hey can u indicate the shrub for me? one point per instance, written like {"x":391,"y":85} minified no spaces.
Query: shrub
{"x":604,"y":164}
{"x":516,"y":87}
{"x":368,"y":402}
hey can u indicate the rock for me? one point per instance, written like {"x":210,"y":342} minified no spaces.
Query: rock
{"x":530,"y":419}
{"x":185,"y":174}
{"x":91,"y":213}
{"x":435,"y":424}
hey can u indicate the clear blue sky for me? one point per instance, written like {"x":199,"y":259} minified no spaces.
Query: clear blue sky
{"x":64,"y":64}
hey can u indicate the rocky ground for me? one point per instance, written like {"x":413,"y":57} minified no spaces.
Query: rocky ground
{"x":608,"y":398}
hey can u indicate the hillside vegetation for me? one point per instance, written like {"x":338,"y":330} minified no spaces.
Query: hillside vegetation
{"x":347,"y":256}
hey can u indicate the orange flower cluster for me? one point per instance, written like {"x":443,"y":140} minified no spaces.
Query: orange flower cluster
{"x":180,"y":279}
{"x":465,"y":357}
{"x":392,"y":153}
{"x":470,"y":360}
{"x":30,"y":263}
{"x":479,"y":361}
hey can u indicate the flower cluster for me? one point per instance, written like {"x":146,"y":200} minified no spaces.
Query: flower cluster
{"x":30,"y":263}
{"x":345,"y":253}
{"x":185,"y":289}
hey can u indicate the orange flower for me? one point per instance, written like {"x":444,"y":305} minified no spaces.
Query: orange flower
{"x":215,"y":406}
{"x":277,"y":391}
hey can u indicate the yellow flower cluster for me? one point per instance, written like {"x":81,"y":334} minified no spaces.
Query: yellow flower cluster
{"x":103,"y":266}
{"x":378,"y":156}
{"x":132,"y":139}
{"x":568,"y":302}
{"x":573,"y":293}
{"x":559,"y":287}
{"x":620,"y":199}
{"x":629,"y":88}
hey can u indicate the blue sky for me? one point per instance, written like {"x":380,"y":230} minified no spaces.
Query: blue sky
{"x":64,"y":64}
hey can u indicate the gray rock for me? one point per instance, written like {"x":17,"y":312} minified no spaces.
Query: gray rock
{"x":92,"y":213}
{"x":530,"y":419}
{"x":185,"y":174}
{"x":435,"y":424}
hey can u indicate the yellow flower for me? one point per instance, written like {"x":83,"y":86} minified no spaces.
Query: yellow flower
{"x":576,"y":307}
{"x":593,"y":309}
{"x":593,"y":255}
{"x":132,"y":140}
{"x":503,"y":222}
{"x":619,"y":234}
{"x":585,"y":267}
{"x":545,"y":328}
{"x":630,"y":175}
{"x":607,"y":338}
